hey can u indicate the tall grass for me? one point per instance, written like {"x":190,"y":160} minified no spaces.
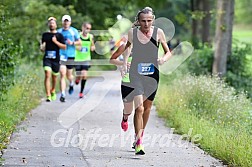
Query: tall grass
{"x":19,"y":100}
{"x":215,"y":111}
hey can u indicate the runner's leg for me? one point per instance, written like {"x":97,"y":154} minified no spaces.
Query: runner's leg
{"x":70,"y":77}
{"x":62,"y":82}
{"x":47,"y":82}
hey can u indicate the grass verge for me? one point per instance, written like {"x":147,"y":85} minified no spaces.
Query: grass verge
{"x":20,"y":99}
{"x":212,"y":110}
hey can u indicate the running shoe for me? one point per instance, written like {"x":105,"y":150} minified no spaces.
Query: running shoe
{"x":77,"y":81}
{"x":62,"y":99}
{"x":139,"y":150}
{"x":53,"y":96}
{"x":48,"y":99}
{"x":124,"y":125}
{"x":134,"y":145}
{"x":81,"y":95}
{"x":71,"y":90}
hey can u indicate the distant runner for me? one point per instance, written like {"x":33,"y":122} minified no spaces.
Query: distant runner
{"x":126,"y":88}
{"x":52,"y":42}
{"x":83,"y":55}
{"x":67,"y":56}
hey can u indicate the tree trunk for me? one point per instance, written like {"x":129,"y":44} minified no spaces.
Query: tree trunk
{"x":231,"y":11}
{"x":205,"y":35}
{"x":223,"y":36}
{"x":194,"y":7}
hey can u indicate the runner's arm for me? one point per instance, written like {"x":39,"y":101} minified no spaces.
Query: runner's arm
{"x":167,"y":53}
{"x":42,"y":46}
{"x":128,"y":45}
{"x":92,"y":43}
{"x":42,"y":43}
{"x":115,"y":55}
{"x":77,"y":42}
{"x":59,"y":44}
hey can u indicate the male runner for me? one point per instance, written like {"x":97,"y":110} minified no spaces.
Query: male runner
{"x":143,"y":72}
{"x":83,"y":55}
{"x":52,"y":42}
{"x":67,"y":56}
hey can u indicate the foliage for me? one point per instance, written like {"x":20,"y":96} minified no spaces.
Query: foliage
{"x":33,"y":15}
{"x":200,"y":62}
{"x":239,"y":73}
{"x":214,"y":111}
{"x":243,"y":12}
{"x":9,"y":52}
{"x":19,"y":100}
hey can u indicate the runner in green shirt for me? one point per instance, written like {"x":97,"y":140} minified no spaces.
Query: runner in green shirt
{"x":83,"y":55}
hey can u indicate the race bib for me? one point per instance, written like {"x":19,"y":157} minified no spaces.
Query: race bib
{"x":63,"y":57}
{"x":84,"y":49}
{"x":51,"y":54}
{"x":146,"y":68}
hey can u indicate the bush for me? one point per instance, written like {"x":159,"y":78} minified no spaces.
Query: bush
{"x":200,"y":62}
{"x":9,"y":52}
{"x":239,"y":73}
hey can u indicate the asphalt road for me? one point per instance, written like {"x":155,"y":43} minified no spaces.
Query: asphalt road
{"x":87,"y":132}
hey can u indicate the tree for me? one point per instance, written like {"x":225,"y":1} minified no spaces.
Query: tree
{"x":205,"y":33}
{"x":223,"y":36}
{"x":29,"y":21}
{"x":195,"y":23}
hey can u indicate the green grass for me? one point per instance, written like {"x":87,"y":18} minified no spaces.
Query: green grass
{"x":20,"y":99}
{"x":212,"y":110}
{"x":243,"y":33}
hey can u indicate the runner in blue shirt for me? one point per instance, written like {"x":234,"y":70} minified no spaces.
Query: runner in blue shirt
{"x":72,"y":38}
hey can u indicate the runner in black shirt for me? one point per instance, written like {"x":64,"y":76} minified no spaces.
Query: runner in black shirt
{"x":52,"y":42}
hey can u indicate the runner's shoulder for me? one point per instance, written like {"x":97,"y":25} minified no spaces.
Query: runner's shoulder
{"x":46,"y":33}
{"x":59,"y":30}
{"x":159,"y":30}
{"x":91,"y":35}
{"x":74,"y":29}
{"x":59,"y":34}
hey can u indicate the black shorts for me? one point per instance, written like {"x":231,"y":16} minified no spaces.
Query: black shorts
{"x":127,"y":92}
{"x":146,"y":85}
{"x":69,"y":63}
{"x":50,"y":64}
{"x":82,"y":67}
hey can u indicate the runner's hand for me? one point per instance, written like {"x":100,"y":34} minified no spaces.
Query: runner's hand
{"x":42,"y":46}
{"x":92,"y":48}
{"x":124,"y":70}
{"x":69,"y":42}
{"x":128,"y":65}
{"x":54,"y":39}
{"x":78,"y":48}
{"x":161,"y":61}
